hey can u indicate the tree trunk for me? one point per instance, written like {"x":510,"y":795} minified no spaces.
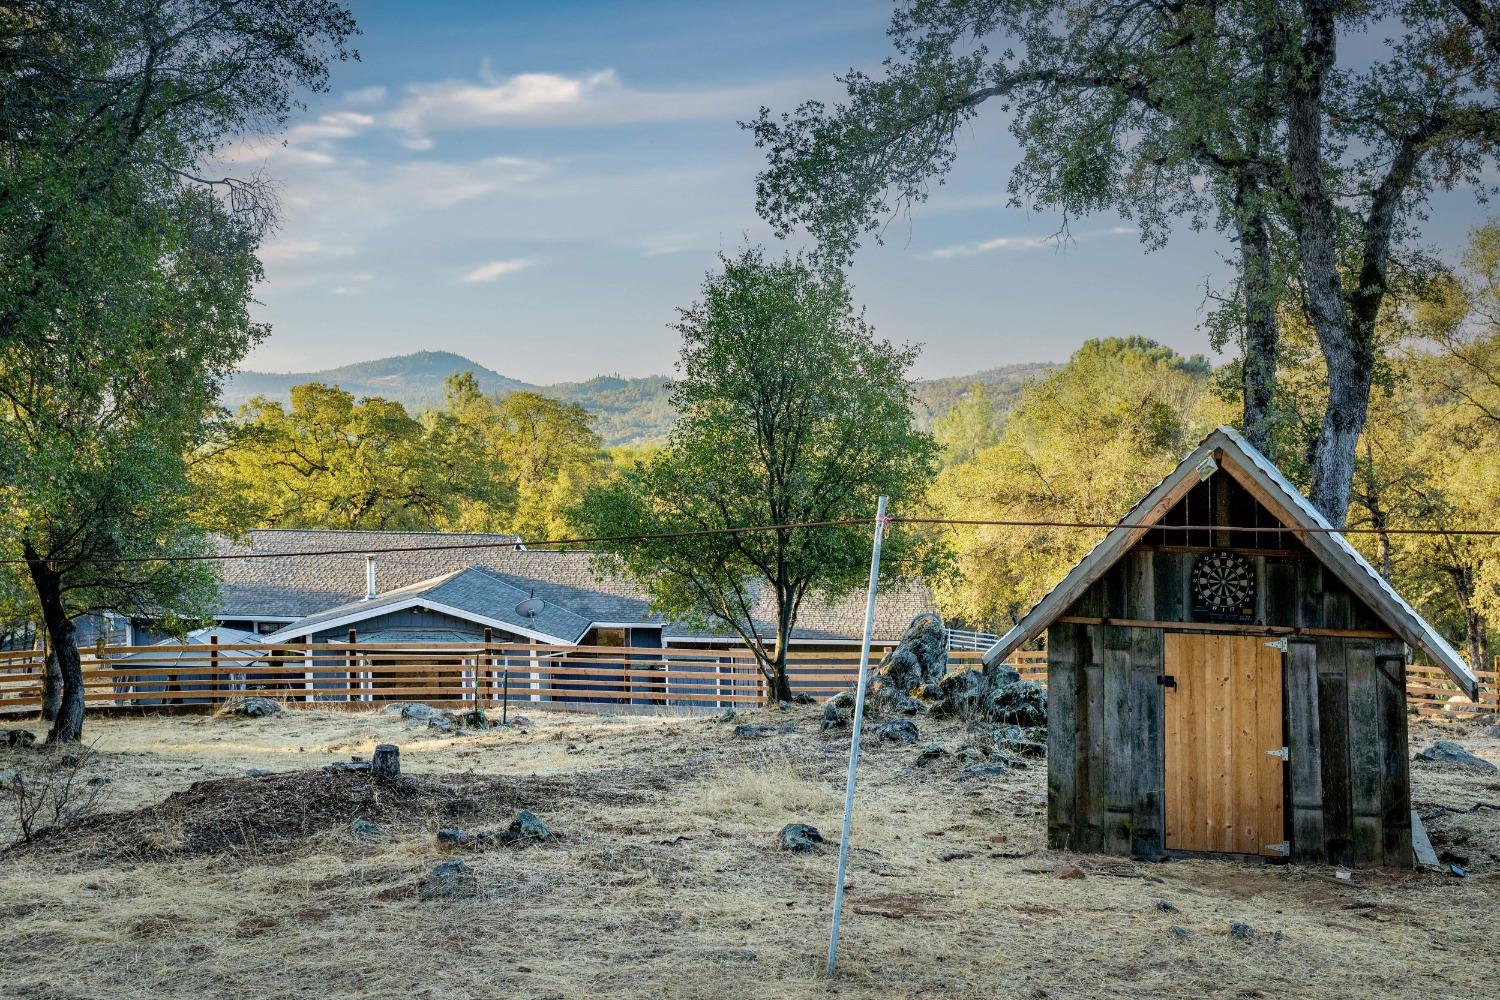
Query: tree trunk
{"x":52,"y":686}
{"x":1261,"y":334}
{"x":67,"y":727}
{"x":1351,"y":369}
{"x":1476,"y":628}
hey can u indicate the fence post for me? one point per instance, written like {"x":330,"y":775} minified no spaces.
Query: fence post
{"x":854,"y":724}
{"x":213,"y":668}
{"x":488,"y":673}
{"x":350,"y":662}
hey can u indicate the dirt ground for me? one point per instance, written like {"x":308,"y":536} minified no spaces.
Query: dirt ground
{"x":666,"y":882}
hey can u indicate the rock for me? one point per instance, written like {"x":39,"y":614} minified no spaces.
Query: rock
{"x":751,"y":732}
{"x":1067,"y":872}
{"x":958,"y":695}
{"x":897,"y":731}
{"x":1022,"y":703}
{"x":1241,"y":932}
{"x":1179,"y":933}
{"x":982,"y":771}
{"x":258,"y":772}
{"x":250,"y":708}
{"x":70,"y":760}
{"x":443,"y":722}
{"x":800,"y":837}
{"x":19,"y":738}
{"x":728,"y":715}
{"x":784,"y":705}
{"x":1166,"y":907}
{"x":920,"y":658}
{"x":930,"y":753}
{"x":461,"y":806}
{"x":417,"y":710}
{"x":365,"y":828}
{"x":968,"y":754}
{"x":843,"y":701}
{"x":356,"y":766}
{"x":393,"y":708}
{"x":386,"y":763}
{"x":834,"y":717}
{"x":520,"y":720}
{"x":98,"y":779}
{"x":450,"y":880}
{"x":1001,"y":674}
{"x":474,"y":719}
{"x":526,"y":829}
{"x":458,"y":839}
{"x":803,"y":698}
{"x":1448,"y":752}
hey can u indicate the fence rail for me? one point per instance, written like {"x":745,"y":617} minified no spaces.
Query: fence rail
{"x":479,"y":674}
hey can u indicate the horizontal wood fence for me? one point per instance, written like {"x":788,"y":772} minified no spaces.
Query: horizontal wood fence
{"x":482,"y":674}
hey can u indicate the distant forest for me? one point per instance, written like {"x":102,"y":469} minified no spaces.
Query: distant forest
{"x":626,"y":411}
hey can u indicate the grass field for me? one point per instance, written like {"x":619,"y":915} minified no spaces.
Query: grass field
{"x":666,"y":882}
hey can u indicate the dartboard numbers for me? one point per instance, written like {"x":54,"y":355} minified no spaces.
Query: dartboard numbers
{"x":1223,"y":587}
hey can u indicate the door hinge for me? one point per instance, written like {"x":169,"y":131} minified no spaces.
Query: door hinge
{"x":1278,"y":644}
{"x":1167,"y":680}
{"x":1283,"y":848}
{"x":1282,"y":752}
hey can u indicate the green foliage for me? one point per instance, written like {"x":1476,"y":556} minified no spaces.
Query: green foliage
{"x":1081,"y":445}
{"x":789,"y":411}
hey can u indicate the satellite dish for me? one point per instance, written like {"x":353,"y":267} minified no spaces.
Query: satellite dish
{"x":529,"y":608}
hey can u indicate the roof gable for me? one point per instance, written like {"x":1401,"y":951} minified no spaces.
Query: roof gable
{"x":1238,"y":458}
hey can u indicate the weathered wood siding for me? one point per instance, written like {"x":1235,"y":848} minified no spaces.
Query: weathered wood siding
{"x":1348,"y":792}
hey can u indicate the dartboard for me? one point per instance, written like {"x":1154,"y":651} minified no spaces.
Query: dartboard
{"x":1223,"y":587}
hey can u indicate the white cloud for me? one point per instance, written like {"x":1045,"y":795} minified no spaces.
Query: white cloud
{"x":543,"y":99}
{"x":308,"y":143}
{"x":292,"y":249}
{"x":495,"y":269}
{"x":1020,"y":243}
{"x":365,"y":96}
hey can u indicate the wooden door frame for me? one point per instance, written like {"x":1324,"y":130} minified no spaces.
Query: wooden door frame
{"x":1243,"y":631}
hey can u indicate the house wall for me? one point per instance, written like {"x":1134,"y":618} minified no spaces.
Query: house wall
{"x":1347,"y":782}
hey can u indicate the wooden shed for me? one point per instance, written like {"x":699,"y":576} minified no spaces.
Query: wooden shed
{"x":1226,"y":675}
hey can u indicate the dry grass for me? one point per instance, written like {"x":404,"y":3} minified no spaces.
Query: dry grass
{"x":667,"y":885}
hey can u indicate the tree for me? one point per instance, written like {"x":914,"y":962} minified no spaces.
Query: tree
{"x":550,"y":450}
{"x":125,"y":282}
{"x":330,"y":461}
{"x":1235,"y":114}
{"x":1080,"y":445}
{"x":790,"y":411}
{"x":968,"y":427}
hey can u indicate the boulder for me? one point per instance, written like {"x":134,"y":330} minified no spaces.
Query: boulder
{"x":450,"y":880}
{"x":526,"y":829}
{"x":843,"y":701}
{"x":834,"y":717}
{"x":452,"y":837}
{"x":728,"y":715}
{"x":365,"y":828}
{"x":920,"y":658}
{"x":959,"y":695}
{"x":897,"y":731}
{"x":930,"y":753}
{"x":417,"y":710}
{"x":983,"y":771}
{"x":1066,"y":871}
{"x":803,"y":698}
{"x":1448,"y":752}
{"x":258,"y":772}
{"x":1022,"y":703}
{"x":752,"y":732}
{"x":250,"y":708}
{"x":800,"y":837}
{"x":19,"y":738}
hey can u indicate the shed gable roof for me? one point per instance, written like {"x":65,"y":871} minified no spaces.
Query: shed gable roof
{"x":1258,"y":474}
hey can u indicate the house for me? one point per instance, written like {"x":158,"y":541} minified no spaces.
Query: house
{"x":1226,"y":675}
{"x":404,"y":586}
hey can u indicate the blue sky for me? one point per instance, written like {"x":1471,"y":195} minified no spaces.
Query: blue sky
{"x":538,"y":186}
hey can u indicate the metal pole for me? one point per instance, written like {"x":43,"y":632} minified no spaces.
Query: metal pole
{"x":505,"y":694}
{"x":859,"y":715}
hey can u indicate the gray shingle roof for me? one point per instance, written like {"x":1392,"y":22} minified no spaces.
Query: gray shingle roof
{"x":299,"y":586}
{"x":471,"y":591}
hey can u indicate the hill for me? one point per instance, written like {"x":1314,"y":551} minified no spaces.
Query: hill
{"x":626,"y":410}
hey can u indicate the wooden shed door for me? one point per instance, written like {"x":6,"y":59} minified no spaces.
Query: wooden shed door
{"x":1223,"y":789}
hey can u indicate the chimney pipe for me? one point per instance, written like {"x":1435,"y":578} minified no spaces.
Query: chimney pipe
{"x":369,"y":578}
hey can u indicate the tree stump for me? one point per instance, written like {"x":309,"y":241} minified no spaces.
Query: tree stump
{"x":386,"y":763}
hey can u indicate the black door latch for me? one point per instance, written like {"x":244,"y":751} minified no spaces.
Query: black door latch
{"x":1167,"y":680}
